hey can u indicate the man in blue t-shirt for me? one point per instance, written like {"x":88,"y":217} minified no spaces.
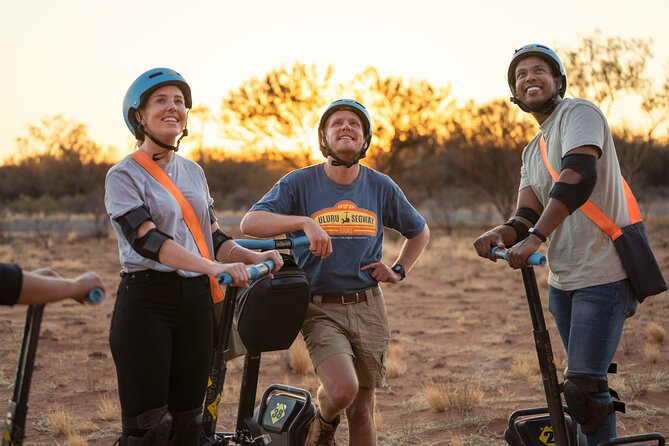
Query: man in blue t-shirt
{"x":343,"y":207}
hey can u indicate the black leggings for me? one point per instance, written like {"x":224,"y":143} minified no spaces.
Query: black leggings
{"x":161,"y":338}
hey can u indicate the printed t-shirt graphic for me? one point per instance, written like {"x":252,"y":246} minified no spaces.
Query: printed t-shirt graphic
{"x":346,"y":218}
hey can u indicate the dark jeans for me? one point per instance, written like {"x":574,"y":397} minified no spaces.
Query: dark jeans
{"x":161,"y":339}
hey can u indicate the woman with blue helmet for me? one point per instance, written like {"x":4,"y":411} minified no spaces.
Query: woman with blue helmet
{"x":161,"y":334}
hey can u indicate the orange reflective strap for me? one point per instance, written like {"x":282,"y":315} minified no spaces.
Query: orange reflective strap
{"x":591,"y":210}
{"x":544,"y":155}
{"x":144,"y":160}
{"x":632,"y":205}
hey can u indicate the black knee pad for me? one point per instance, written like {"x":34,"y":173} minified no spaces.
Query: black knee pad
{"x":590,"y":414}
{"x":156,"y":424}
{"x":188,"y":427}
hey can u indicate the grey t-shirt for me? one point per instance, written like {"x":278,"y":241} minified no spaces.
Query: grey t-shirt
{"x":580,"y":254}
{"x":128,"y":186}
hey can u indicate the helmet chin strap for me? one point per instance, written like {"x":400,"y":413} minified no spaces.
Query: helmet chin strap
{"x":162,"y":145}
{"x":544,"y":108}
{"x":336,"y":161}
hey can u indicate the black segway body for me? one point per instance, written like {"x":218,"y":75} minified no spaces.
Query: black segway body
{"x":14,"y":426}
{"x":551,"y":425}
{"x":284,"y":414}
{"x":270,"y":313}
{"x":268,"y":316}
{"x":532,"y":427}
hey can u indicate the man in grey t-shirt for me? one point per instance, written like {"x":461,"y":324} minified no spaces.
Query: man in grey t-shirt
{"x":589,"y":293}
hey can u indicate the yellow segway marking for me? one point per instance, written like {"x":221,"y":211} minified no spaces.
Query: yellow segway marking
{"x":546,"y":436}
{"x":278,"y":412}
{"x":213,"y":407}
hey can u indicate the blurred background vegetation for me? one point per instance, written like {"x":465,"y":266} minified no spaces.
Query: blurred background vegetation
{"x":450,"y":159}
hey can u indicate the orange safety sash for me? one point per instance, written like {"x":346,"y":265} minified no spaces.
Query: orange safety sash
{"x":187,"y":213}
{"x":591,"y":210}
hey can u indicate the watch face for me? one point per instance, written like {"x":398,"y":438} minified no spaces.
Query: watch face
{"x":399,"y":269}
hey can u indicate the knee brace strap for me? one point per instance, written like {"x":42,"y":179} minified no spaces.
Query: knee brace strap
{"x":590,"y":414}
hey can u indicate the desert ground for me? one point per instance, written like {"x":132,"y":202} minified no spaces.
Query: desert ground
{"x":462,"y":356}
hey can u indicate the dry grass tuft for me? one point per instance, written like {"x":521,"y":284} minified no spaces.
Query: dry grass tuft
{"x":442,"y":396}
{"x":655,"y":332}
{"x":651,"y":352}
{"x":108,"y":409}
{"x":436,"y":395}
{"x":378,"y":419}
{"x":61,"y":422}
{"x":298,"y":358}
{"x":76,"y":440}
{"x":395,"y":364}
{"x":457,"y":441}
{"x":525,"y":367}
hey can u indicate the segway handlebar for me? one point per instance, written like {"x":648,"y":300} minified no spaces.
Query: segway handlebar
{"x":256,"y":272}
{"x":95,"y":296}
{"x":265,"y":245}
{"x":536,"y":259}
{"x":262,"y":269}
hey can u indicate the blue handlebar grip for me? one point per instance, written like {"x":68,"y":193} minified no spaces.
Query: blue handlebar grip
{"x":536,"y":259}
{"x":256,"y":271}
{"x":265,"y":245}
{"x":95,"y":296}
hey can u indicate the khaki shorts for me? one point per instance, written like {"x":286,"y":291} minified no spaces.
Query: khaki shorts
{"x":359,"y":329}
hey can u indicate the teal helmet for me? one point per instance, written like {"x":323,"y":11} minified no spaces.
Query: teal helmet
{"x":357,"y":108}
{"x":553,"y":61}
{"x":141,"y":89}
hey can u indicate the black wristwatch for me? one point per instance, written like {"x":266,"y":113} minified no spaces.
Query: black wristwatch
{"x":536,"y":232}
{"x":399,"y":269}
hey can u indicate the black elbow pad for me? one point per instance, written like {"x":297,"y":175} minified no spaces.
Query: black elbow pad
{"x":575,"y":195}
{"x":528,"y":214}
{"x":520,"y":228}
{"x":131,"y":221}
{"x":149,"y":244}
{"x":219,"y":237}
{"x":212,"y":215}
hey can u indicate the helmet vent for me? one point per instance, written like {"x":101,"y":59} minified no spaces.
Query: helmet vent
{"x":159,"y":73}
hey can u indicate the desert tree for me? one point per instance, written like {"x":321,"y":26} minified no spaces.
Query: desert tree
{"x":408,"y":117}
{"x":275,"y":117}
{"x":487,"y":142}
{"x":57,"y":157}
{"x":602,"y":68}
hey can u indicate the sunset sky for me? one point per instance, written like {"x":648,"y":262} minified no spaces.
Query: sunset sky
{"x":78,"y":57}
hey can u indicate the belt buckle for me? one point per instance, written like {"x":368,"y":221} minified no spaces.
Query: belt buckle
{"x":357,"y":299}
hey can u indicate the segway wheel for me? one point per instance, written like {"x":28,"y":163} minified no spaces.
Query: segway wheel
{"x":254,"y":434}
{"x":628,"y":439}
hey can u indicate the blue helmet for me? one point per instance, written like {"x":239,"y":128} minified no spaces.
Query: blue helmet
{"x":552,"y":59}
{"x":543,"y":52}
{"x":358,"y":109}
{"x":141,"y":89}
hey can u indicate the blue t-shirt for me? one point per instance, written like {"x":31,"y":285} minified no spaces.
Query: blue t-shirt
{"x":354,"y":216}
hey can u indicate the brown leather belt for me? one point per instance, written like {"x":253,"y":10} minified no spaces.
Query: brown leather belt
{"x":346,"y":299}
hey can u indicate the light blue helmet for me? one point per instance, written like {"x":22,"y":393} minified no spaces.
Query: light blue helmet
{"x":141,"y":89}
{"x":358,"y":109}
{"x":551,"y":58}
